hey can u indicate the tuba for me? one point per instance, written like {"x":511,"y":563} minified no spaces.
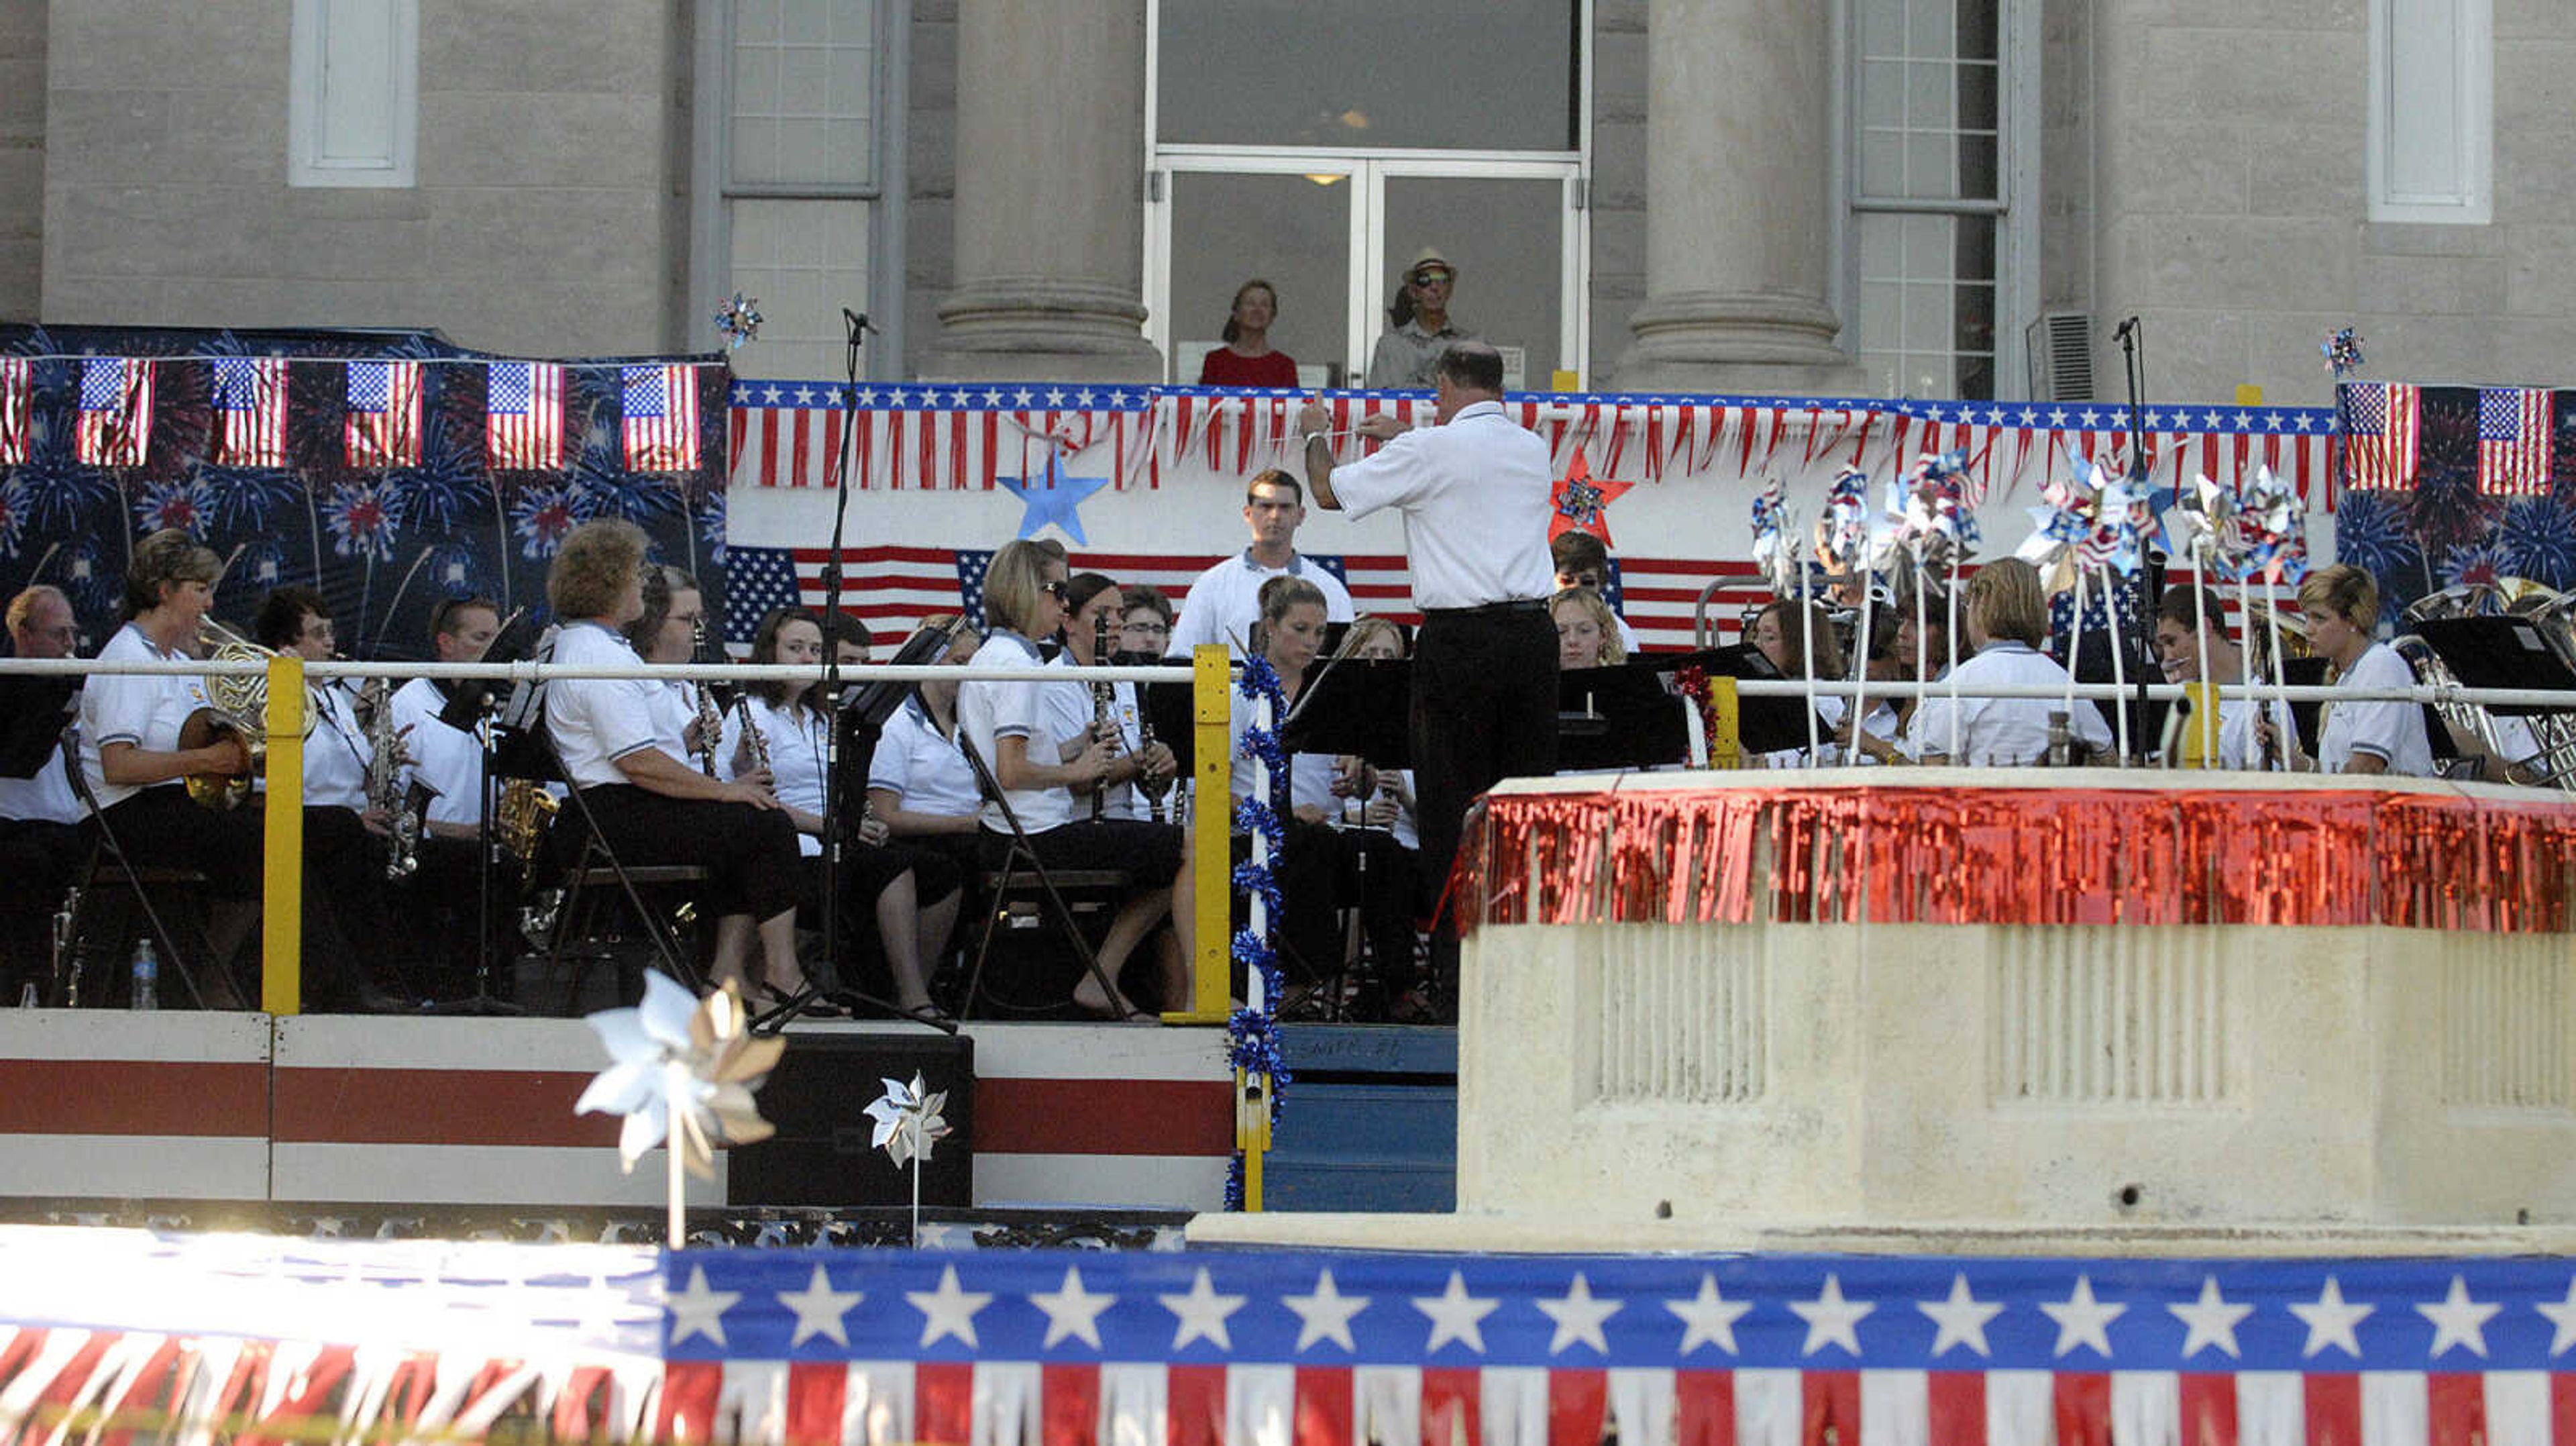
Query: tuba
{"x":2553,"y":615}
{"x":236,"y":704}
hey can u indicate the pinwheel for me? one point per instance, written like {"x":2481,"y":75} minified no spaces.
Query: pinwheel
{"x":738,"y":320}
{"x":1774,"y":551}
{"x":909,"y":1123}
{"x":2343,"y":353}
{"x":683,"y":1071}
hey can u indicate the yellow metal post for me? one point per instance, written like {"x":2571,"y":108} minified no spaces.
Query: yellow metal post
{"x":2200,"y":738}
{"x":281,"y":975}
{"x":1211,"y":828}
{"x":1726,"y":719}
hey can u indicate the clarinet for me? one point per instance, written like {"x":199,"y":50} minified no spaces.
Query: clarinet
{"x":1104,"y":710}
{"x":1145,"y":744}
{"x":754,"y":742}
{"x":710,"y":718}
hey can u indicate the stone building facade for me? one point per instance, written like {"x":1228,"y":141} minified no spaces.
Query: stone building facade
{"x":1889,"y":196}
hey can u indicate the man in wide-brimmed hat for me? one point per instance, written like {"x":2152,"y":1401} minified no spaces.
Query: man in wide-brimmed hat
{"x":1419,"y":328}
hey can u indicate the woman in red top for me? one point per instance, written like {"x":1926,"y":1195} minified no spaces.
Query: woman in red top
{"x":1246,"y":359}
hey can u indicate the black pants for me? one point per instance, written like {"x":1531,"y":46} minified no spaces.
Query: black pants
{"x":749,"y":853}
{"x":1484,"y":709}
{"x":867,"y":871}
{"x":1324,"y":870}
{"x":39,"y":858}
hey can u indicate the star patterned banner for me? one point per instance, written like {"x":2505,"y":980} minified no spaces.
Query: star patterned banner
{"x":973,"y":437}
{"x":1058,"y":1348}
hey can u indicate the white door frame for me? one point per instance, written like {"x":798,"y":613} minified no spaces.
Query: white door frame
{"x":1368,"y":173}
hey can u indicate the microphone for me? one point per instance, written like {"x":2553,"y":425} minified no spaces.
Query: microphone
{"x":2120,"y":333}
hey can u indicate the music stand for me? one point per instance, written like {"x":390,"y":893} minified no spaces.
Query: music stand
{"x":471,"y":704}
{"x":1618,"y":717}
{"x":2299,"y":673}
{"x":33,"y":710}
{"x":2496,"y":652}
{"x":1362,"y":707}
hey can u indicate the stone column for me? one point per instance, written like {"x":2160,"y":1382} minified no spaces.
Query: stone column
{"x":1050,"y":195}
{"x":1738,"y":190}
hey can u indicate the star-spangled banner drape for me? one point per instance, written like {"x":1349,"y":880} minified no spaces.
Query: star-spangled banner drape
{"x":1065,"y":1348}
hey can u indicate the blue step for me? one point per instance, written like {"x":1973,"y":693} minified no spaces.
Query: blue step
{"x":1370,"y":1123}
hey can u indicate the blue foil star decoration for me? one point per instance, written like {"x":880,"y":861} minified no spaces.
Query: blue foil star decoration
{"x":1053,"y":497}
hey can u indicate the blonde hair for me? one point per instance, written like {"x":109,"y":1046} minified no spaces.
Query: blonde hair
{"x":1016,"y":578}
{"x":593,"y":567}
{"x":167,"y":556}
{"x":2344,"y":590}
{"x":1366,"y":630}
{"x":2005,"y":600}
{"x":1592,"y":603}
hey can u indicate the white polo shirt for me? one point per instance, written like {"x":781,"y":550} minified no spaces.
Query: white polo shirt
{"x":446,"y":759}
{"x":990,"y":710}
{"x":923,"y":769}
{"x":1225,"y":601}
{"x":2393,"y":731}
{"x":130,"y":708}
{"x":1474,"y":494}
{"x":336,"y":753}
{"x":2004,"y":732}
{"x":44,"y":796}
{"x":596,"y":721}
{"x":795,"y":740}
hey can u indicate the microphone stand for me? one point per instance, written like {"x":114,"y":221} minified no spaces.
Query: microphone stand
{"x":2133,"y":356}
{"x":858,"y":327}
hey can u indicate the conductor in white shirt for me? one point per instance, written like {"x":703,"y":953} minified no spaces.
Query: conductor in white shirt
{"x":1225,"y":601}
{"x":1473,"y":492}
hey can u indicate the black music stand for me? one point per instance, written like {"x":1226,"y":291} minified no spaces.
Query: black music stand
{"x":33,"y":710}
{"x":471,"y":704}
{"x":1618,"y":717}
{"x":2496,"y":652}
{"x":1357,"y":706}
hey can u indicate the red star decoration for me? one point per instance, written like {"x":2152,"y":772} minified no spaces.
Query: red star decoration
{"x":1581,"y":504}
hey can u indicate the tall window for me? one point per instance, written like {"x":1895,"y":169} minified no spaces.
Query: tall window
{"x":353,"y":93}
{"x":2432,"y":111}
{"x":1929,"y":204}
{"x":789,"y":133}
{"x":1320,"y":144}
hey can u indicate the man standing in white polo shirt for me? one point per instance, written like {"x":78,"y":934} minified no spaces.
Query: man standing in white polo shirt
{"x":1474,"y":495}
{"x":1225,"y":600}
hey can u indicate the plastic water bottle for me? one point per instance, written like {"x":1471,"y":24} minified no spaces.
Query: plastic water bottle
{"x":147,"y":978}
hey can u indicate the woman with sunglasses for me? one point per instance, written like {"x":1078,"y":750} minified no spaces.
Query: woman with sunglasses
{"x":1040,"y":743}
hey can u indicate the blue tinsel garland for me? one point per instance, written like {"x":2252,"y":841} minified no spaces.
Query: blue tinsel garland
{"x":1252,"y":1036}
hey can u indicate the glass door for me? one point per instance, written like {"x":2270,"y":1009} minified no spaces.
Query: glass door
{"x":1332,"y":232}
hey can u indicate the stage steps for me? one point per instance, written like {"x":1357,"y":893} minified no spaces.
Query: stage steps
{"x":1370,"y":1123}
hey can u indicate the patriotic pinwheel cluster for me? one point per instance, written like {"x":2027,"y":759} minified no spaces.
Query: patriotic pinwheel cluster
{"x":1935,"y":524}
{"x":2272,"y":531}
{"x":2202,"y":525}
{"x":1842,"y":534}
{"x":1774,"y":550}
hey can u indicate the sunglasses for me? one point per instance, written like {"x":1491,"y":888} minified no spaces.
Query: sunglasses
{"x":1057,"y":590}
{"x":1430,"y":276}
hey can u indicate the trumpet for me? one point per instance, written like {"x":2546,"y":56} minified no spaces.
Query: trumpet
{"x":236,"y":703}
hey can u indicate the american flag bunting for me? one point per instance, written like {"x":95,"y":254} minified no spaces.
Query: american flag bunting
{"x":2514,"y":436}
{"x":250,"y":412}
{"x":661,"y":426}
{"x":2382,"y":423}
{"x":384,"y":413}
{"x":524,"y":416}
{"x":17,"y":404}
{"x":115,"y":425}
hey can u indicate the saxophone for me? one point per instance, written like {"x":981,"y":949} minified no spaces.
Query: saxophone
{"x":385,"y":790}
{"x":520,"y":822}
{"x":710,"y":718}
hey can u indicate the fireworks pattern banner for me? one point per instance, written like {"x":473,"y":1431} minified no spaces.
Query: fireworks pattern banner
{"x":368,"y":465}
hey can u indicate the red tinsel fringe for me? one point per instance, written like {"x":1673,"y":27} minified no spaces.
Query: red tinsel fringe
{"x":1925,"y":855}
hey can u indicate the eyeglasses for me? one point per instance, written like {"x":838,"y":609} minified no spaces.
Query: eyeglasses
{"x":1060,"y":591}
{"x":1430,"y":276}
{"x":1145,"y":628}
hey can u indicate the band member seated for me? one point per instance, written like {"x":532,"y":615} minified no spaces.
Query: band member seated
{"x":1583,"y":561}
{"x":1144,"y":624}
{"x":2007,"y":617}
{"x":2189,"y":626}
{"x":1790,"y":635}
{"x":1042,"y":745}
{"x":1587,"y":632}
{"x":882,"y":887}
{"x":1097,"y":605}
{"x":345,"y":832}
{"x":624,"y":747}
{"x":919,"y":783}
{"x":2341,"y":604}
{"x":447,"y":768}
{"x":40,"y":840}
{"x":1918,"y":648}
{"x":135,"y":767}
{"x":1322,"y":869}
{"x":1384,"y":796}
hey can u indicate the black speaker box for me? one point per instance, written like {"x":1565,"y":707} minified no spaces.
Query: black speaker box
{"x":818,"y":1098}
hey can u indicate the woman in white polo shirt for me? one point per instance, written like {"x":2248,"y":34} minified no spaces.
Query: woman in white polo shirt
{"x":2341,"y":603}
{"x":1048,"y":773}
{"x":651,"y":806}
{"x":2007,"y":617}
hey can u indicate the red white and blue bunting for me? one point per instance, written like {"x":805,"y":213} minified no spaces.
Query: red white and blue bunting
{"x":1053,"y":1348}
